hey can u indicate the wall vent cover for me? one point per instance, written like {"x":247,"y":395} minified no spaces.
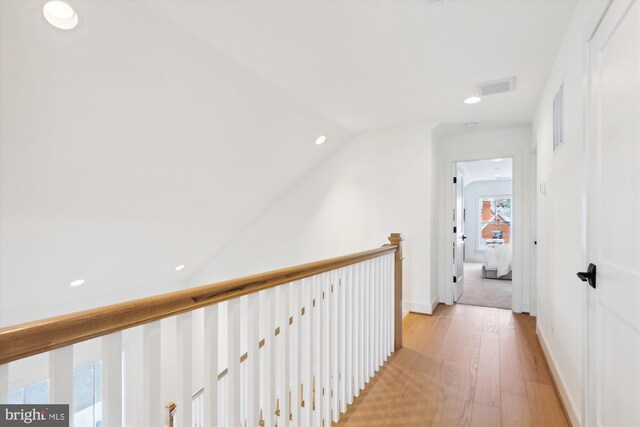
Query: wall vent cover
{"x":497,"y":86}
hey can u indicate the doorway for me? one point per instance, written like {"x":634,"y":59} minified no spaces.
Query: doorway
{"x":482,"y":232}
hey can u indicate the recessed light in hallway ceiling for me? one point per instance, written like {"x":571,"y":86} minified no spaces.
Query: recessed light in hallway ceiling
{"x":76,"y":283}
{"x":60,"y":15}
{"x":180,"y":267}
{"x":472,"y":100}
{"x":321,"y":139}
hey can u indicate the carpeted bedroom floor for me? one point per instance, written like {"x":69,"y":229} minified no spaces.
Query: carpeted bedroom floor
{"x":484,"y":292}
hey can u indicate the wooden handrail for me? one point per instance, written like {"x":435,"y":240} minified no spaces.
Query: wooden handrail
{"x":28,"y":339}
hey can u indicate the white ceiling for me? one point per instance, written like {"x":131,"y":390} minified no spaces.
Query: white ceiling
{"x":377,"y":64}
{"x":486,"y":170}
{"x":154,"y":132}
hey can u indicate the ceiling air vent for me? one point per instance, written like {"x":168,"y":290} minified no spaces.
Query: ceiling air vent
{"x":497,"y":86}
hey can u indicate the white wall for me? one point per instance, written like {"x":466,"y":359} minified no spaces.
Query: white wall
{"x":128,"y":147}
{"x":377,"y":184}
{"x":511,"y":142}
{"x":472,"y":193}
{"x":561,"y":213}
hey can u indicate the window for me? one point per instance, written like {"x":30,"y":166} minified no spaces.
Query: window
{"x":87,"y":394}
{"x":35,"y":394}
{"x":495,"y":221}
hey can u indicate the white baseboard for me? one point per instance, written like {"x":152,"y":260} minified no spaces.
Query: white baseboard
{"x":417,"y":307}
{"x":435,"y":303}
{"x":559,"y":383}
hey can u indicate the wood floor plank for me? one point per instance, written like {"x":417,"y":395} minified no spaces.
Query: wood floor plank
{"x":511,"y":374}
{"x":533,"y":361}
{"x":457,"y":378}
{"x":420,"y":329}
{"x":545,"y":405}
{"x":485,"y":415}
{"x":487,"y":389}
{"x":459,"y":402}
{"x":433,"y":343}
{"x":515,"y":410}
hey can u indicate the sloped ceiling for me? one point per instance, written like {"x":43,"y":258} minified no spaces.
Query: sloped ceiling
{"x":154,"y":132}
{"x":130,"y":147}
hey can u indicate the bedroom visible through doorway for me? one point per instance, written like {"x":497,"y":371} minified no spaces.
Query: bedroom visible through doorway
{"x":483,"y":254}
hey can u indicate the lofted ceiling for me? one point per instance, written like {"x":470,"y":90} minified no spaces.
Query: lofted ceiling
{"x":154,"y":132}
{"x":378,"y":64}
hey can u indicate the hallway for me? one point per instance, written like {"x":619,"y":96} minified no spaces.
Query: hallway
{"x":464,"y":365}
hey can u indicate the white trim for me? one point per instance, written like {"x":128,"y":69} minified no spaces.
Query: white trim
{"x":434,"y":303}
{"x":559,"y":382}
{"x":519,"y":227}
{"x":417,"y":307}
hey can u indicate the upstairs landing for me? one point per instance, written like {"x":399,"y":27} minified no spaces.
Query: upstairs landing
{"x":465,"y":365}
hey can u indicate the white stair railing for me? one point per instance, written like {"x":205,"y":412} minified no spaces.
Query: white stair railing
{"x":300,"y":344}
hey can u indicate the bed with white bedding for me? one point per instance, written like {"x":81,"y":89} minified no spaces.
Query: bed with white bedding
{"x":497,"y":262}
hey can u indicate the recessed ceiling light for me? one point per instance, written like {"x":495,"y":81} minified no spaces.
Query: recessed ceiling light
{"x":472,"y":100}
{"x":180,"y":267}
{"x":497,"y":160}
{"x":76,"y":283}
{"x":60,"y":15}
{"x":321,"y":139}
{"x":470,"y":125}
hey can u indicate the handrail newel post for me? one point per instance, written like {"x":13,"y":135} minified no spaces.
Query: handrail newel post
{"x":396,"y":239}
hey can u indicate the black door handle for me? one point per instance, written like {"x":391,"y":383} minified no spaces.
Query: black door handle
{"x":464,"y":237}
{"x":589,"y":275}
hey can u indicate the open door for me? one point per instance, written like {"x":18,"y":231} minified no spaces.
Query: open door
{"x":458,"y":236}
{"x":613,"y":319}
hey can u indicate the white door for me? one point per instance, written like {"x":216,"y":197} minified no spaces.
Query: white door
{"x":613,"y":322}
{"x":458,"y":249}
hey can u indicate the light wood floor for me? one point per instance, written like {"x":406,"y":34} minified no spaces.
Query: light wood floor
{"x":463,"y":366}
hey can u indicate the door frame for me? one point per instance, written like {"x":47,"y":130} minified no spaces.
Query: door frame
{"x":519,"y":229}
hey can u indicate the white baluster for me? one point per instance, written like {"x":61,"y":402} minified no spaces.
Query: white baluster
{"x":390,"y":302}
{"x":296,"y":349}
{"x":210,"y":399}
{"x":359,"y":329}
{"x":342,"y":336}
{"x":356,"y":329}
{"x":132,"y":342}
{"x":378,"y":318}
{"x":4,"y":383}
{"x":269,"y":354}
{"x":367,"y":321}
{"x":335,"y":342}
{"x":184,"y":338}
{"x":295,"y":380}
{"x":326,"y":348}
{"x":385,"y":305}
{"x":318,"y":350}
{"x":305,"y":335}
{"x":372,"y":319}
{"x":392,"y":294}
{"x":61,"y":376}
{"x":348,"y":310}
{"x":283,"y":377}
{"x":112,"y":380}
{"x":233,"y":362}
{"x":151,"y":371}
{"x":252,"y":362}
